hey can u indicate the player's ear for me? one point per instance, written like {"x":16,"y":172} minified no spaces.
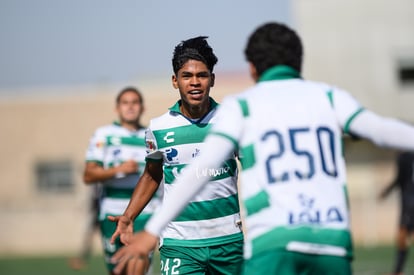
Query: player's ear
{"x":253,"y":72}
{"x":213,"y":79}
{"x":174,"y":81}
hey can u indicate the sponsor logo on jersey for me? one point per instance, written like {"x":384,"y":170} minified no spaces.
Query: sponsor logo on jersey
{"x":310,"y":214}
{"x":212,"y":172}
{"x":168,"y":138}
{"x":172,"y":154}
{"x":196,"y":153}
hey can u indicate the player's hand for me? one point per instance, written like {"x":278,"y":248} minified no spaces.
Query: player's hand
{"x":124,"y":228}
{"x":131,"y":257}
{"x":128,"y":167}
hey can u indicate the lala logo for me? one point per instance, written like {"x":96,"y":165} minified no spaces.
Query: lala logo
{"x":312,"y":215}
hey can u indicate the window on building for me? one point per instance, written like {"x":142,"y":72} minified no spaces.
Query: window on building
{"x":54,"y":176}
{"x":406,"y":71}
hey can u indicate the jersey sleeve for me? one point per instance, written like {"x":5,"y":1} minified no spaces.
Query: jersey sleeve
{"x":153,"y":153}
{"x":229,"y":123}
{"x":346,"y":107}
{"x":96,"y":148}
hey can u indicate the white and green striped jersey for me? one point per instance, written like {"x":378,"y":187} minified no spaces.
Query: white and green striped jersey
{"x":110,"y":146}
{"x":212,"y":217}
{"x":293,"y":182}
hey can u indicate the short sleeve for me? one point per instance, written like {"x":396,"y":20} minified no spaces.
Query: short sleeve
{"x":346,"y":107}
{"x":151,"y":146}
{"x":96,"y":148}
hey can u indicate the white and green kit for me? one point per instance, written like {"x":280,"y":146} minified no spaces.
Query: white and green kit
{"x":212,"y":217}
{"x":110,"y":146}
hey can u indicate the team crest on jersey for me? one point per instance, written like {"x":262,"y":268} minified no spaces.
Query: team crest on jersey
{"x":150,"y":145}
{"x":99,"y":144}
{"x":172,"y":155}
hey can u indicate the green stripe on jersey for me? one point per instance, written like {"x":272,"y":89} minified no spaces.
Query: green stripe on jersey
{"x":194,"y":133}
{"x":247,"y":158}
{"x":330,"y":97}
{"x":196,"y":211}
{"x":244,"y":107}
{"x":116,"y":140}
{"x":204,"y":242}
{"x":281,"y":236}
{"x":228,"y":169}
{"x":256,"y":203}
{"x":348,"y":122}
{"x":121,"y":193}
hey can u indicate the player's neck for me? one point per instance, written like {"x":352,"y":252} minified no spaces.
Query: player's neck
{"x":132,"y":126}
{"x":195,"y":112}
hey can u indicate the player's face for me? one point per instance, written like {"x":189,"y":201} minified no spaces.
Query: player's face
{"x":129,"y":108}
{"x":194,"y":81}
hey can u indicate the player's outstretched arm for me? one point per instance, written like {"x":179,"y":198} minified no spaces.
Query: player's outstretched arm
{"x":143,"y":192}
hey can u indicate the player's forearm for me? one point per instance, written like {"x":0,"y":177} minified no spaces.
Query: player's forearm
{"x":143,"y":193}
{"x":98,"y":174}
{"x":214,"y":152}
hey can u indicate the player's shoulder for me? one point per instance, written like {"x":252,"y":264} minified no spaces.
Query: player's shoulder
{"x":162,"y":121}
{"x":107,"y":129}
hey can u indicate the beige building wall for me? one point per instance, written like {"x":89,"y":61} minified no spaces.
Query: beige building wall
{"x":56,"y":125}
{"x":360,"y":46}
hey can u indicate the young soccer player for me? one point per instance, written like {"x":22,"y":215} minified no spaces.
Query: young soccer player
{"x":293,"y":180}
{"x":115,"y":158}
{"x":206,"y":237}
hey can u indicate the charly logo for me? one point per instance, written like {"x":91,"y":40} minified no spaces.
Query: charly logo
{"x":168,"y":138}
{"x":115,"y":140}
{"x":172,"y":154}
{"x":312,"y":215}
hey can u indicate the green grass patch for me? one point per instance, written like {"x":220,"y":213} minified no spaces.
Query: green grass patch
{"x":368,"y":261}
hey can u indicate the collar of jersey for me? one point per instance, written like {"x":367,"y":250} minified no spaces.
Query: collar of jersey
{"x":279,"y":72}
{"x":176,"y":107}
{"x":117,"y":123}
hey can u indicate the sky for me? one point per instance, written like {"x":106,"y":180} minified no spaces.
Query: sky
{"x":74,"y":42}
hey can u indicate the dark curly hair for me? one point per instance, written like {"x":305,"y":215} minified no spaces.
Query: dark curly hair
{"x":274,"y":44}
{"x":195,"y":48}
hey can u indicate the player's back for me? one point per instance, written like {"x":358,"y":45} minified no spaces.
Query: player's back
{"x":294,"y":127}
{"x":293,"y":169}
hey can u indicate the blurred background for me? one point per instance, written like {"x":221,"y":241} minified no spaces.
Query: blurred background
{"x":63,"y":62}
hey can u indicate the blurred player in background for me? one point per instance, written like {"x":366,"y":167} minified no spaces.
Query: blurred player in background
{"x":116,"y":159}
{"x":293,"y":183}
{"x":206,"y":238}
{"x":404,"y":181}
